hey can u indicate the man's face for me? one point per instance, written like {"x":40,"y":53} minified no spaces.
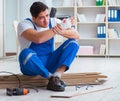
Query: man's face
{"x":43,"y":19}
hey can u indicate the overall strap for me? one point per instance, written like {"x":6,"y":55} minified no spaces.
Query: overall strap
{"x":50,"y":24}
{"x":31,"y":22}
{"x":41,"y":48}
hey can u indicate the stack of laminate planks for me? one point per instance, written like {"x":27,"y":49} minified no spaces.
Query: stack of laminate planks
{"x":38,"y":81}
{"x":84,"y":78}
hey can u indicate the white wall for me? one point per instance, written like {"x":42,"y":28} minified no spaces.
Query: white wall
{"x":24,"y":8}
{"x":1,"y":28}
{"x":10,"y":15}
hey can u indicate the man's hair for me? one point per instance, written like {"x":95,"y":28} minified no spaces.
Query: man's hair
{"x":37,"y":7}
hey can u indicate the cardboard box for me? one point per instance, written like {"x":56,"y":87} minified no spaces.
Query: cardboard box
{"x":86,"y":50}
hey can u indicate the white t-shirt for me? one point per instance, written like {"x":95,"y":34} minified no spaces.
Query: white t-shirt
{"x":26,"y":24}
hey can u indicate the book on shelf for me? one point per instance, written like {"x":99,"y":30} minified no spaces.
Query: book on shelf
{"x":82,"y":18}
{"x":100,"y":18}
{"x":112,"y":33}
{"x":113,"y":15}
{"x":86,"y":50}
{"x":99,"y":2}
{"x":101,"y":31}
{"x":104,"y":2}
{"x":113,"y":2}
{"x":79,"y":2}
{"x":102,"y":49}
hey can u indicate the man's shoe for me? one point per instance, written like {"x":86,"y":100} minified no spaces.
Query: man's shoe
{"x":55,"y":84}
{"x":63,"y":83}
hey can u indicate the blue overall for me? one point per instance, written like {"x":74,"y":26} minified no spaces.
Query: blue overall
{"x":41,"y":59}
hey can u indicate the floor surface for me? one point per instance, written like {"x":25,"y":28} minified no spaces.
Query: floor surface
{"x":107,"y":66}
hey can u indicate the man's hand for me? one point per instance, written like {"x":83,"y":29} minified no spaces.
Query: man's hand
{"x":58,"y":29}
{"x":66,"y":32}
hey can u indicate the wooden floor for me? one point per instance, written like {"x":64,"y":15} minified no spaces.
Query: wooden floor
{"x":107,"y":66}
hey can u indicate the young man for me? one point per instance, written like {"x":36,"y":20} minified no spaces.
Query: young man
{"x":37,"y":56}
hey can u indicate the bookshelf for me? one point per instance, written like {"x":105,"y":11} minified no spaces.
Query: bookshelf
{"x":88,"y":29}
{"x":90,"y":15}
{"x":114,"y":43}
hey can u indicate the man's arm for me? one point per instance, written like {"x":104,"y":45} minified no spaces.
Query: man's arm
{"x":70,"y":33}
{"x":38,"y":37}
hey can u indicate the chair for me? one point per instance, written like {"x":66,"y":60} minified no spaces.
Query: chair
{"x":15,"y":24}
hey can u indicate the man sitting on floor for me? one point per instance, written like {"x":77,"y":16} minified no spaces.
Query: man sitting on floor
{"x":37,"y":56}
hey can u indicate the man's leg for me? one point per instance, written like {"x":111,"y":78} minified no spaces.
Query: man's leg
{"x":61,"y":70}
{"x":31,"y":64}
{"x":61,"y":59}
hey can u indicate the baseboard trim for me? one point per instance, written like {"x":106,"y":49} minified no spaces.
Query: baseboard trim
{"x":10,"y":54}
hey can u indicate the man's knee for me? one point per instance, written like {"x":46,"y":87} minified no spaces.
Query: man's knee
{"x":72,"y":43}
{"x":25,"y":53}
